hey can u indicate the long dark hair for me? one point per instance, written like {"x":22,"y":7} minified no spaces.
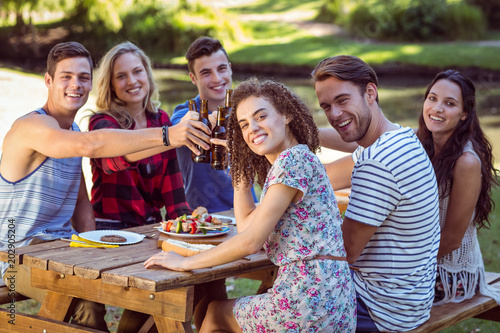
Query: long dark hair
{"x":466,"y":130}
{"x":246,"y":166}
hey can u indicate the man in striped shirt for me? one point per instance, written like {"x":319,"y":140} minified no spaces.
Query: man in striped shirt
{"x":391,"y":227}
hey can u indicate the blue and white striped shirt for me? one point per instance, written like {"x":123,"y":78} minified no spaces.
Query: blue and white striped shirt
{"x":40,"y":204}
{"x":394,"y":189}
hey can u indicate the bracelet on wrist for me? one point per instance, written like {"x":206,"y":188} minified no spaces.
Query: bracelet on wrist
{"x":166,"y":142}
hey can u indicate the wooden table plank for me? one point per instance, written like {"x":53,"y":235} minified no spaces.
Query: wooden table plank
{"x":90,"y":262}
{"x":94,"y":269}
{"x":31,"y":249}
{"x":159,"y":279}
{"x":176,"y":304}
{"x":41,"y":259}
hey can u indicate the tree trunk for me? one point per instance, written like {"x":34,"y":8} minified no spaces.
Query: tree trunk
{"x":19,"y":21}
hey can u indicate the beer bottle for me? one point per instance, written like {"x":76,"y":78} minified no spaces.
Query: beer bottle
{"x":192,"y":105}
{"x":227,"y":101}
{"x":204,"y":113}
{"x":219,"y":152}
{"x":204,"y":156}
{"x":228,"y":105}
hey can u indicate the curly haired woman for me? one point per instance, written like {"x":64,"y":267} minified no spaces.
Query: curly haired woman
{"x":461,"y":155}
{"x":272,"y":139}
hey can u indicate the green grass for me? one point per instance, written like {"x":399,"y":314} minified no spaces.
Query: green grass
{"x":300,"y":49}
{"x":276,"y":41}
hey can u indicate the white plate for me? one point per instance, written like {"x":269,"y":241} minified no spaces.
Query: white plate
{"x":210,"y":233}
{"x":95,"y":236}
{"x":225,"y":219}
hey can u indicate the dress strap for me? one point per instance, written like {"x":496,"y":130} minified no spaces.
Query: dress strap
{"x":328,"y":258}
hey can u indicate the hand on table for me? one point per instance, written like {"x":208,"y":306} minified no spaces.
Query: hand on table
{"x":170,"y":260}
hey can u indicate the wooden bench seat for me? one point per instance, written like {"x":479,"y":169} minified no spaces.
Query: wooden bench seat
{"x":449,"y":314}
{"x":32,"y":323}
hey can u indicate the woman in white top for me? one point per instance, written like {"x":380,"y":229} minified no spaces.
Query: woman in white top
{"x":462,"y":158}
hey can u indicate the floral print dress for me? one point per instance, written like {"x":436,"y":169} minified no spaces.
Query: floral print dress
{"x":309,"y":295}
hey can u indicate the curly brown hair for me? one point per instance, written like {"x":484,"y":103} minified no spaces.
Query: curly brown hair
{"x":246,"y":166}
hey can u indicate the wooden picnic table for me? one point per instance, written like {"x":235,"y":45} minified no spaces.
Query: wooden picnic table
{"x":116,"y":276}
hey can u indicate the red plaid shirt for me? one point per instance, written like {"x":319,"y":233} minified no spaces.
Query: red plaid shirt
{"x":134,"y":193}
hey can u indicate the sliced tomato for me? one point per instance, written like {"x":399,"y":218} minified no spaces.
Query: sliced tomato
{"x":169,"y":225}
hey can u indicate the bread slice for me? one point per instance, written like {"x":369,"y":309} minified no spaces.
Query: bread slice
{"x":183,"y":248}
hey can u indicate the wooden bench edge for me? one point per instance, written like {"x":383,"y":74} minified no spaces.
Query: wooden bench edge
{"x":6,"y":295}
{"x":23,"y":322}
{"x":449,"y":314}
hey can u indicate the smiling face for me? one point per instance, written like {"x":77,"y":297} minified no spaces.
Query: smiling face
{"x":345,"y":108}
{"x":443,"y":108}
{"x":212,"y":75}
{"x":264,"y":130}
{"x":70,"y":87}
{"x":130,"y":80}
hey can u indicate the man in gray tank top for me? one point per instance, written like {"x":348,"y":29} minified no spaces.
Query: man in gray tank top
{"x":42,"y":192}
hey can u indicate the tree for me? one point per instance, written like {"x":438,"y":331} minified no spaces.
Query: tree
{"x":104,"y":13}
{"x":18,"y":7}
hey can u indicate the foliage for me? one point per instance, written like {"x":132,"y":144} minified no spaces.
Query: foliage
{"x":413,"y":20}
{"x":491,"y":10}
{"x":467,"y":21}
{"x":102,"y":13}
{"x":330,"y":11}
{"x":18,"y":6}
{"x":162,"y":29}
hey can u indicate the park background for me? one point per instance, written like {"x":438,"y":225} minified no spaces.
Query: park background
{"x":406,"y":41}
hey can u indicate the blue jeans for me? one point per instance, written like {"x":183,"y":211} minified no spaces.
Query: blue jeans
{"x":364,"y":321}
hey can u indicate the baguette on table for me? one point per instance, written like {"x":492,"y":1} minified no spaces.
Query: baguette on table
{"x":183,"y":248}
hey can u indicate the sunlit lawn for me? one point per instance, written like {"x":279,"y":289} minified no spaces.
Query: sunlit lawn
{"x":272,"y":37}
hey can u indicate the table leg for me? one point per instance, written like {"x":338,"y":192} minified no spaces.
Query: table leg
{"x":165,"y":325}
{"x":55,"y":306}
{"x":133,"y":322}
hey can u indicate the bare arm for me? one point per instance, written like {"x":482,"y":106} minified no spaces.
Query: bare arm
{"x":330,"y":138}
{"x":356,"y":236}
{"x":243,"y":206}
{"x":83,"y":216}
{"x":42,"y":134}
{"x":34,"y":137}
{"x":339,"y":172}
{"x":263,"y":221}
{"x":462,"y":202}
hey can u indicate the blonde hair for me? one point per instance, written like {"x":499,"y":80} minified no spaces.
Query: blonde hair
{"x":107,"y":100}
